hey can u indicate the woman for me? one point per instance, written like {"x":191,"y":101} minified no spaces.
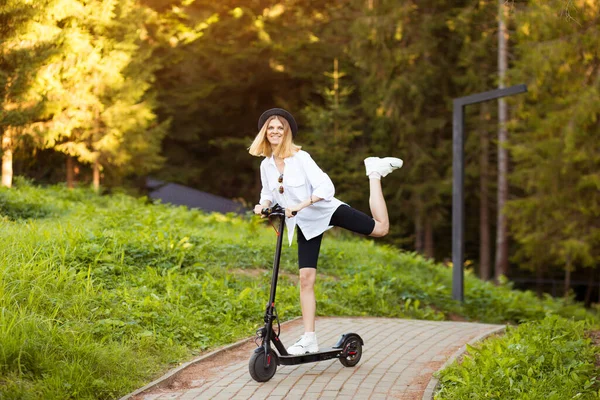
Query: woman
{"x":293,"y":180}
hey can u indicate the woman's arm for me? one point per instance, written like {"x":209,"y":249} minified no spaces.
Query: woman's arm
{"x":323,"y":188}
{"x":322,"y":185}
{"x":265,"y":193}
{"x":266,"y":197}
{"x":310,"y":201}
{"x":306,"y":203}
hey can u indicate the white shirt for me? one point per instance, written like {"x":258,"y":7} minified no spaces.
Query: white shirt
{"x":302,"y":178}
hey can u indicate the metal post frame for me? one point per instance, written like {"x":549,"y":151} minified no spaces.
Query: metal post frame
{"x":458,"y":201}
{"x":458,"y":172}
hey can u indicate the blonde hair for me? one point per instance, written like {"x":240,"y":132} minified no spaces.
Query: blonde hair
{"x":261,"y":147}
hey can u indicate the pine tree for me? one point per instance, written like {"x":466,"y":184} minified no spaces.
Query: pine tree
{"x":243,"y":59}
{"x":556,"y":220}
{"x":132,"y":140}
{"x":102,"y":113}
{"x":25,"y":46}
{"x":333,"y":128}
{"x":476,"y":25}
{"x":405,"y":51}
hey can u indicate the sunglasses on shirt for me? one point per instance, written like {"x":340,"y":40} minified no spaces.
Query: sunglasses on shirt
{"x":280,"y":180}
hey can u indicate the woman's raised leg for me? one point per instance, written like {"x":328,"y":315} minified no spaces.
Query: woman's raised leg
{"x":376,"y":169}
{"x":378,"y":208}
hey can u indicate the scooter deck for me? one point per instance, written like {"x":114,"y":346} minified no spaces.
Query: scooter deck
{"x":324,"y":354}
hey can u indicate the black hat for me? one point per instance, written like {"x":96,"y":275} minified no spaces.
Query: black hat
{"x":282,"y":113}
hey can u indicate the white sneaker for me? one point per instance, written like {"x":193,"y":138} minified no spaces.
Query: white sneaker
{"x":383,"y":166}
{"x":304,"y":345}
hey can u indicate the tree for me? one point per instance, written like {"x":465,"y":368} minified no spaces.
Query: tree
{"x":405,"y":94}
{"x":501,"y":267}
{"x":102,"y":112}
{"x":556,"y":219}
{"x":214,"y":84}
{"x":476,"y":24}
{"x":333,"y":130}
{"x":25,"y":46}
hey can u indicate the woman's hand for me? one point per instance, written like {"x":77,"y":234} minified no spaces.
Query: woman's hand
{"x":295,"y":208}
{"x":258,"y":210}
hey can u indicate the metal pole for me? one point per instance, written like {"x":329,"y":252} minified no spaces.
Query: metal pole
{"x":458,"y":177}
{"x":458,"y":169}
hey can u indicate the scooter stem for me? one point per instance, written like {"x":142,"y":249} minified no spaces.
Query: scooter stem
{"x":269,"y":314}
{"x":276,"y":262}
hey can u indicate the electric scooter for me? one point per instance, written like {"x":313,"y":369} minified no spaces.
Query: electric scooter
{"x":265,"y":359}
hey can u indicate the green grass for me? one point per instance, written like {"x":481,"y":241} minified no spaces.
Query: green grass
{"x":99,"y":294}
{"x":548,"y":359}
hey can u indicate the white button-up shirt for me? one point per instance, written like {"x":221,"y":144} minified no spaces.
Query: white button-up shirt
{"x":302,"y":178}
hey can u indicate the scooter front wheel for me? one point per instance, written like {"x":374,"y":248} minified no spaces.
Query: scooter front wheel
{"x":257,"y":369}
{"x":352,"y":353}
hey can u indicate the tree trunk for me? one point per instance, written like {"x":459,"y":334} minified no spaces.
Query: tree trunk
{"x":567,"y":280}
{"x":70,"y":173}
{"x":95,"y":138}
{"x":501,"y":231}
{"x":428,"y":238}
{"x":419,"y":230}
{"x":7,"y":158}
{"x":598,"y":294}
{"x":96,"y":176}
{"x":590,"y":287}
{"x":336,"y":91}
{"x":539,"y":285}
{"x":484,"y":215}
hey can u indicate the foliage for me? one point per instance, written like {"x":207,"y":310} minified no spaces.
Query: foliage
{"x":556,"y":148}
{"x":551,"y":359}
{"x":26,"y":45}
{"x":118,"y":81}
{"x":106,"y":83}
{"x":405,"y":95}
{"x":224,"y":64}
{"x":132,"y":84}
{"x":335,"y":125}
{"x":77,"y":77}
{"x":99,"y":294}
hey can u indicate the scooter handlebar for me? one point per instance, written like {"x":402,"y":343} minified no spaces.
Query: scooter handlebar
{"x":276,"y":210}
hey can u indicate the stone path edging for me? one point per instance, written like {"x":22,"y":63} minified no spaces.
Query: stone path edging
{"x":163,"y":380}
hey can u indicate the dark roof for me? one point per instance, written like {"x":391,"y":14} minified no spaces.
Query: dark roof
{"x":180,"y":195}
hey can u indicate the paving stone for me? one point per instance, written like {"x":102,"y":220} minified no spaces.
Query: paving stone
{"x":399,"y":358}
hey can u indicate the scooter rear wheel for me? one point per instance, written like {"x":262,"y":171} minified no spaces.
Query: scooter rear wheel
{"x":257,"y":369}
{"x":353,"y":351}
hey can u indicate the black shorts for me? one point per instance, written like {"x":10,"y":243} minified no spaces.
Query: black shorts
{"x":345,"y":217}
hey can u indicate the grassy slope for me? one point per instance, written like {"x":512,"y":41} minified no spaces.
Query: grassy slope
{"x":99,"y":294}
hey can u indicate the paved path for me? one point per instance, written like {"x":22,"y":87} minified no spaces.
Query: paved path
{"x":399,"y":358}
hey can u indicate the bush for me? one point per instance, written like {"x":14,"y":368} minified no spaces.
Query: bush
{"x":547,"y":359}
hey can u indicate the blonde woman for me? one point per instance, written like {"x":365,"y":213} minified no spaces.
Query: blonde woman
{"x":293,"y":180}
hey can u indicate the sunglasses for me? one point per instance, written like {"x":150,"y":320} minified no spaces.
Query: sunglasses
{"x":280,"y":180}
